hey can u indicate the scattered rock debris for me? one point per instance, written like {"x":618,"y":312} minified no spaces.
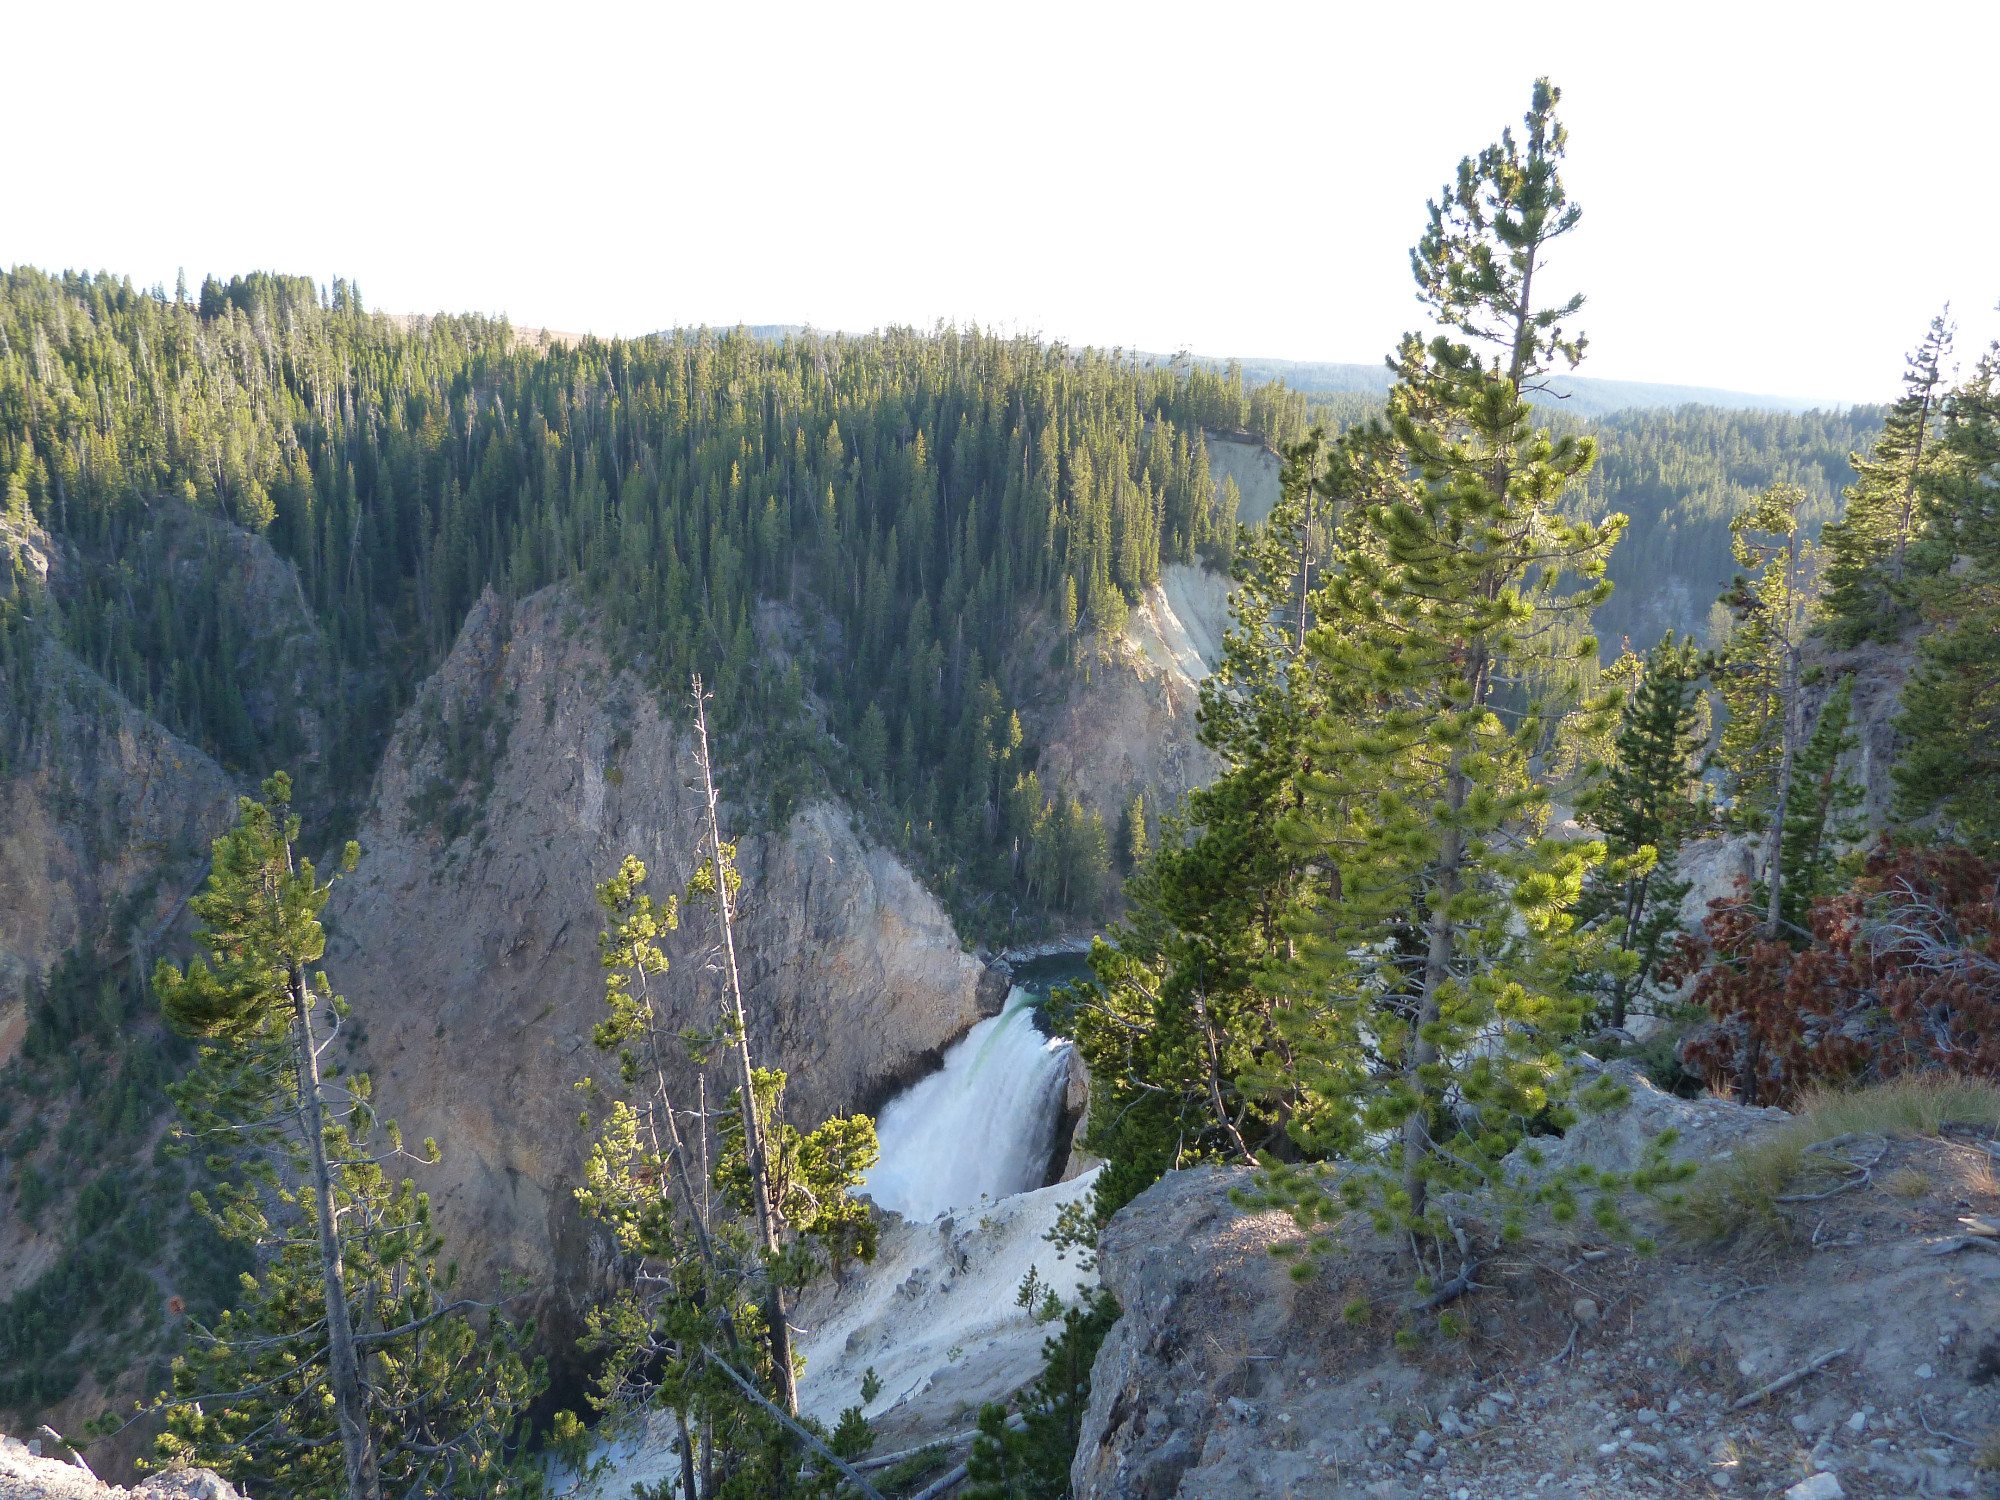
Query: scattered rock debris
{"x":1845,"y":1364}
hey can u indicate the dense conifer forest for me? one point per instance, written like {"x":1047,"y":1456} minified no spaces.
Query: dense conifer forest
{"x":909,"y":496}
{"x":913,"y":491}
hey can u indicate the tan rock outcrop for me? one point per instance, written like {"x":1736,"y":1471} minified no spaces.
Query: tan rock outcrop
{"x":1123,"y":720}
{"x":1570,"y":1359}
{"x":471,"y":958}
{"x":38,"y":1470}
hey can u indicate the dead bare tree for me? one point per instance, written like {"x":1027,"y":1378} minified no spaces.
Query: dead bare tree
{"x":764,"y":1211}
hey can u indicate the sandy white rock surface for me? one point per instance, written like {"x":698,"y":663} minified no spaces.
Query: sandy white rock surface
{"x":935,"y":1317}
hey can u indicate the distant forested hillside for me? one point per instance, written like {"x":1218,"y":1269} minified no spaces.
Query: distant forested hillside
{"x":912,"y":492}
{"x":1580,"y":395}
{"x":1681,"y":475}
{"x":907,"y":494}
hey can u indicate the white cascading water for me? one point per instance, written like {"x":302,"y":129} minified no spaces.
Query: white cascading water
{"x":982,"y":1125}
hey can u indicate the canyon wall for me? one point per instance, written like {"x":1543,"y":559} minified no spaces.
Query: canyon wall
{"x":98,"y":803}
{"x":524,"y":773}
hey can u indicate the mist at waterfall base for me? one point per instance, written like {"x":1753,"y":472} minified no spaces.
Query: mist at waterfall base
{"x":983,"y":1125}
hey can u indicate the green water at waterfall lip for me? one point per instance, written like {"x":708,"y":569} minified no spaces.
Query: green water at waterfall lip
{"x":1038,"y":976}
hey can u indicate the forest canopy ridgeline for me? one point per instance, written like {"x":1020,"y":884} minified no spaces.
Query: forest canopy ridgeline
{"x":918,"y":488}
{"x":908,"y":494}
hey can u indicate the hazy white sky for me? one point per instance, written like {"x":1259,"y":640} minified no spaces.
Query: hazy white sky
{"x":1777,"y":197}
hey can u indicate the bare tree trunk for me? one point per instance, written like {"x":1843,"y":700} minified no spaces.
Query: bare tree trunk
{"x":687,"y":1455}
{"x":1746,"y":1067}
{"x":1622,"y":991}
{"x":1437,"y":969}
{"x":1215,"y":1078}
{"x":344,"y":1369}
{"x":1776,"y":867}
{"x":753,"y":1130}
{"x":1305,"y":573}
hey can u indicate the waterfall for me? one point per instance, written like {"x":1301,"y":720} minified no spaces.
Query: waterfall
{"x":982,"y":1125}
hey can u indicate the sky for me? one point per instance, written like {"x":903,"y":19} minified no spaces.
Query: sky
{"x":1777,"y":197}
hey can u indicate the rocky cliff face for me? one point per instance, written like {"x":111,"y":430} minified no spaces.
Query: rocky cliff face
{"x":1121,"y":719}
{"x":1576,"y":1360}
{"x":1879,"y":672}
{"x":97,"y":802}
{"x":107,"y":804}
{"x":524,"y":773}
{"x":104,"y":833}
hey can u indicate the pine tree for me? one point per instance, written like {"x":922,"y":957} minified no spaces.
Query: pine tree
{"x":1132,"y":843}
{"x":716,"y":878}
{"x":1439,"y":970}
{"x":349,"y":1367}
{"x":1774,"y":604}
{"x":1817,"y":821}
{"x":446,"y":1399}
{"x":708,"y":1317}
{"x":1950,"y":724}
{"x":1357,"y":922}
{"x":1649,"y":801}
{"x":1868,"y":548}
{"x":1176,"y":1016}
{"x":871,"y":748}
{"x":1033,"y":1462}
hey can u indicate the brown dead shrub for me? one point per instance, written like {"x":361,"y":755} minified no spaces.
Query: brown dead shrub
{"x":1900,"y":974}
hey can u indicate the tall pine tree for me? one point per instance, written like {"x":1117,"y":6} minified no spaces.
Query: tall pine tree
{"x":1868,"y":549}
{"x":1774,"y":606}
{"x":1649,"y":801}
{"x":1439,"y":960}
{"x":351,"y":1368}
{"x":1950,"y":725}
{"x":1818,"y":821}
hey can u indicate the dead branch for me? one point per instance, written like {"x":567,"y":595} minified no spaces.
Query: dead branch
{"x":1789,"y":1379}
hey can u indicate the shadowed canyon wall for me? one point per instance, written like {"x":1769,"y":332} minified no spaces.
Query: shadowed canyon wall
{"x":466,"y":938}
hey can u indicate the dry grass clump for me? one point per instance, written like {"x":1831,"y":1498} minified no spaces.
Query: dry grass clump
{"x":1972,"y":1175}
{"x":1920,"y":1105}
{"x":1736,"y":1200}
{"x":1988,"y":1456}
{"x":1907,"y":1182}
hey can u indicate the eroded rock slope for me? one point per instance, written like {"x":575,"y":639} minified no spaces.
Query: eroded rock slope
{"x":1122,"y":719}
{"x":98,"y":801}
{"x":1580,"y":1367}
{"x":466,"y":939}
